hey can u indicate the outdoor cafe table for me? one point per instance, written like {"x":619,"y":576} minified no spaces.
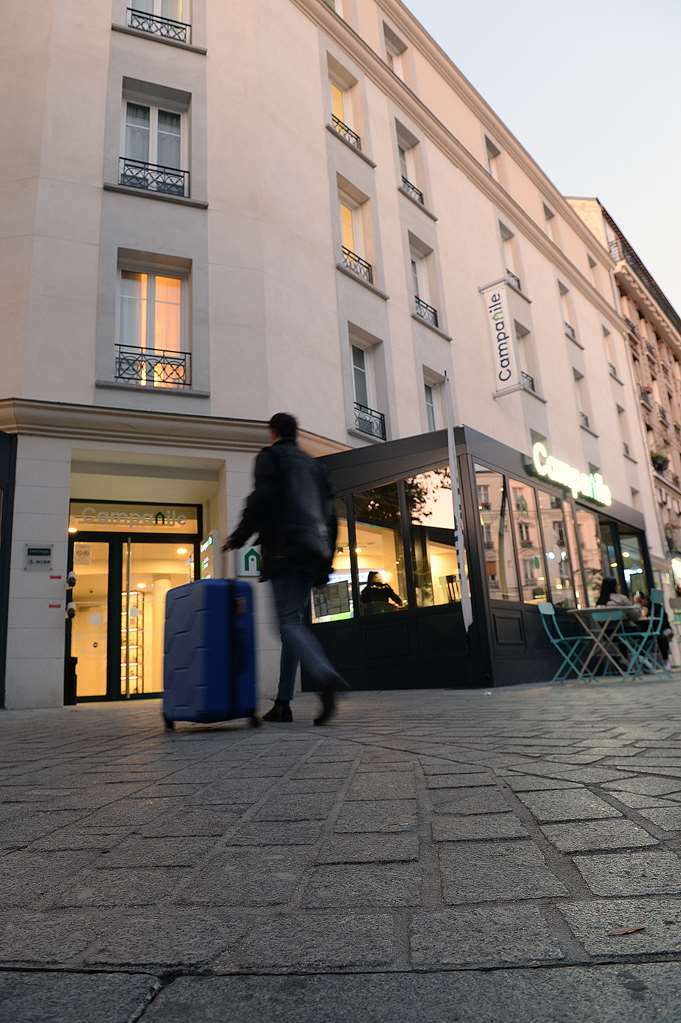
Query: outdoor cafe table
{"x":611,"y":620}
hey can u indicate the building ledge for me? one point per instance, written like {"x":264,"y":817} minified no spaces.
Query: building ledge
{"x":142,"y":193}
{"x":353,"y":149}
{"x":630,"y":458}
{"x":588,"y":430}
{"x":533,"y":394}
{"x":365,"y":284}
{"x":436,"y":330}
{"x":505,"y":280}
{"x":182,"y":392}
{"x":575,"y":342}
{"x":366,"y":437}
{"x":418,"y":205}
{"x":126,"y":30}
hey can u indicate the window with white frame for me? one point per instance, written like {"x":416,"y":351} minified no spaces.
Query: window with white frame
{"x":360,"y":376}
{"x":431,"y":417}
{"x":153,"y":148}
{"x":394,"y":51}
{"x":353,"y":236}
{"x":167,"y":19}
{"x":152,"y":328}
{"x":342,"y":88}
{"x":492,"y":154}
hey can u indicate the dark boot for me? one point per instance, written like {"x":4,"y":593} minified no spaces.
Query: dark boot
{"x":327,"y":695}
{"x":280,"y":713}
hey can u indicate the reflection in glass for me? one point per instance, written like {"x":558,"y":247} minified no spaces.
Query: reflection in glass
{"x":634,"y":566}
{"x":589,"y":540}
{"x":500,"y":570}
{"x":577,"y":581}
{"x":333,"y":602}
{"x":611,"y":565}
{"x":557,"y":555}
{"x":433,"y":551}
{"x":89,"y":627}
{"x":379,"y":548}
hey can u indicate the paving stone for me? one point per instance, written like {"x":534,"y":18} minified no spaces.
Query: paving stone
{"x":369,"y":849}
{"x":643,"y":873}
{"x":377,"y":767}
{"x":167,"y":790}
{"x":607,"y":994}
{"x":261,"y":833}
{"x":385,"y":815}
{"x":567,"y":806}
{"x":26,"y":828}
{"x":452,"y":781}
{"x":130,"y":886}
{"x":636,"y":801}
{"x":78,"y":998}
{"x":461,"y":829}
{"x":194,"y":822}
{"x":364,"y":885}
{"x":331,"y":770}
{"x":313,"y":807}
{"x":383,"y":785}
{"x":447,"y":767}
{"x":487,"y":935}
{"x":668,"y":818}
{"x":314,"y":941}
{"x":26,"y":876}
{"x":51,"y":936}
{"x":486,"y":871}
{"x":612,"y":834}
{"x":77,"y":837}
{"x":244,"y":876}
{"x":527,"y":783}
{"x":168,"y":937}
{"x":656,"y":923}
{"x":465,"y":801}
{"x":156,"y":852}
{"x":650,"y":786}
{"x":296,"y":786}
{"x":129,"y":813}
{"x":240,"y":790}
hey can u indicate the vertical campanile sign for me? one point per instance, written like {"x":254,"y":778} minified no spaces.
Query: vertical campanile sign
{"x":506,"y":372}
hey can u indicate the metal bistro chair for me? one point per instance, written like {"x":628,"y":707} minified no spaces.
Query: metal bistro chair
{"x":642,"y":642}
{"x":570,"y":648}
{"x":608,"y":617}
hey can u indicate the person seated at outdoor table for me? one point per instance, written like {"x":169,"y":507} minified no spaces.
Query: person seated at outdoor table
{"x":377,"y":596}
{"x":611,"y":595}
{"x":665,"y":634}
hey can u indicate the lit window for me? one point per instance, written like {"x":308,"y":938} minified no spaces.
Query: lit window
{"x":151,"y":349}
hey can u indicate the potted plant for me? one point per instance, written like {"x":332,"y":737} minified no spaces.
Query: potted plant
{"x":660,"y":461}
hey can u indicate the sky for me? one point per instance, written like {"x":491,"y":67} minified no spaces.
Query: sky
{"x":592,"y":90}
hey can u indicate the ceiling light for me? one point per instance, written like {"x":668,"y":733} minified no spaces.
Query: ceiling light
{"x":72,"y":530}
{"x":182,"y":551}
{"x":141,"y":586}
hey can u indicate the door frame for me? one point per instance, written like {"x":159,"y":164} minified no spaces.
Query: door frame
{"x":116,"y":541}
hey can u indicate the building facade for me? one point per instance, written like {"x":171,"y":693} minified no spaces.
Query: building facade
{"x":214,"y":210}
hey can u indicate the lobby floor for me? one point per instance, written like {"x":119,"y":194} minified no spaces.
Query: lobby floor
{"x":482,"y":857}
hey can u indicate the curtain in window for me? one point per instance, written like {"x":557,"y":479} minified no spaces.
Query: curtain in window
{"x":167,"y":314}
{"x":178,"y":10}
{"x":133,"y":309}
{"x":137,"y":132}
{"x":169,"y":148}
{"x":359,"y":373}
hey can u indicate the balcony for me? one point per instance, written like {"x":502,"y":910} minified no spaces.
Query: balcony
{"x":526,"y":544}
{"x":528,"y":382}
{"x":646,"y":399}
{"x":152,"y":367}
{"x":152,"y":177}
{"x":664,"y":418}
{"x":155,"y":25}
{"x":426,"y":312}
{"x":651,"y":350}
{"x":633,"y":328}
{"x":570,"y":331}
{"x":612,"y":370}
{"x":346,"y":133}
{"x":412,"y":191}
{"x":513,"y":279}
{"x":356,"y":265}
{"x":369,"y":422}
{"x":626,"y":449}
{"x":584,"y":421}
{"x":489,"y":545}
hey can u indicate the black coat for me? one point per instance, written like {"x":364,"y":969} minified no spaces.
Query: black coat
{"x":292,"y":510}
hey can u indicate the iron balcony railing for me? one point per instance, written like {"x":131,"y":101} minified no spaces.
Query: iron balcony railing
{"x":646,"y":399}
{"x":528,"y":382}
{"x":675,"y":479}
{"x":351,"y":261}
{"x":650,"y":350}
{"x":412,"y":190}
{"x":664,"y":418}
{"x":633,"y":328}
{"x":155,"y":25}
{"x":612,"y":370}
{"x":570,"y":331}
{"x":526,"y":543}
{"x":153,"y":177}
{"x":584,"y":421}
{"x":426,"y":312}
{"x":370,"y":422}
{"x":153,"y":367}
{"x":346,"y":132}
{"x":489,"y":545}
{"x":626,"y":449}
{"x":513,"y":279}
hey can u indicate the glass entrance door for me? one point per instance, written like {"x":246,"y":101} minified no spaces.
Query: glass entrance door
{"x":149,"y":571}
{"x":90,"y":624}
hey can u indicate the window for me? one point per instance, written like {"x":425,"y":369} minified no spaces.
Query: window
{"x":394,"y":52}
{"x":360,"y":376}
{"x":433,"y":552}
{"x":153,"y":150}
{"x":152,"y":347}
{"x":556,"y":554}
{"x":420,"y":258}
{"x":492,"y":154}
{"x":500,"y":570}
{"x":411,"y":172}
{"x":343,"y":113}
{"x":333,"y":602}
{"x":511,"y":256}
{"x":430,"y":407}
{"x":568,"y":312}
{"x":380,"y":557}
{"x":529,"y":544}
{"x":353,"y":235}
{"x":582,"y":400}
{"x":167,"y":19}
{"x":589,"y":541}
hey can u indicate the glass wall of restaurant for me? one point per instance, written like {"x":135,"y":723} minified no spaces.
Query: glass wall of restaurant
{"x":540,"y":547}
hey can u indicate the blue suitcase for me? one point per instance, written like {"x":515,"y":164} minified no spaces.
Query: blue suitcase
{"x":209,"y":653}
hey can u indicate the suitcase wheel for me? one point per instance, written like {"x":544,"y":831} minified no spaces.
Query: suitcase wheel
{"x":168,"y":724}
{"x":255,"y":721}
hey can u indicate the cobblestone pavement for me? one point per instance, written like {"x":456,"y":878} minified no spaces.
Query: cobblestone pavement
{"x":433,"y":856}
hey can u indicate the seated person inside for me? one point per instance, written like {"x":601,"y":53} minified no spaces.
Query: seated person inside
{"x":377,"y":596}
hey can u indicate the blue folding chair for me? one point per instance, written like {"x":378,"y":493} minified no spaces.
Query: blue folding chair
{"x":642,"y":643}
{"x":570,"y":648}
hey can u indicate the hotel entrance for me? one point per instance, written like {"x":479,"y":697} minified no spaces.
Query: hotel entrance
{"x":125,"y":558}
